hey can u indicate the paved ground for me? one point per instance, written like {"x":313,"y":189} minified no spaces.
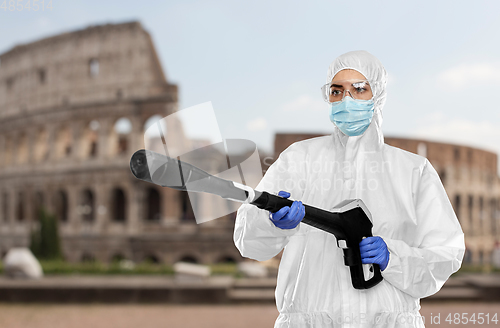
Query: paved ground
{"x":192,"y":316}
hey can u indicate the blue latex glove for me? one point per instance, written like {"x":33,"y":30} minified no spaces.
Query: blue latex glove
{"x":288,"y":217}
{"x":374,"y":250}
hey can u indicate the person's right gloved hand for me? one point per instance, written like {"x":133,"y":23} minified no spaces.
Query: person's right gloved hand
{"x":288,"y":217}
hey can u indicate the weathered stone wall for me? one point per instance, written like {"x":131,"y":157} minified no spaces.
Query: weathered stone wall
{"x":60,"y":101}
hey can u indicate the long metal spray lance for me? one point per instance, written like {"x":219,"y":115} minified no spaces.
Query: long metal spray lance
{"x":350,"y":222}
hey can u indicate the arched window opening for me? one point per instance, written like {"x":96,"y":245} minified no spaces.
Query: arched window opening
{"x":5,"y":207}
{"x":117,"y":258}
{"x":93,"y":67}
{"x":92,"y":138}
{"x":493,"y":209}
{"x":151,"y":258}
{"x":41,"y":146}
{"x":118,"y":205}
{"x":227,"y":259}
{"x":38,"y":204}
{"x":481,"y":209}
{"x":61,"y":205}
{"x":10,"y":83}
{"x":42,"y":76}
{"x":470,"y":210}
{"x":87,"y":206}
{"x":63,"y":142}
{"x":153,"y":205}
{"x":88,"y":257}
{"x":121,"y":133}
{"x":468,"y":256}
{"x":9,"y":151}
{"x":442,"y":176}
{"x":22,"y":149}
{"x":456,"y":153}
{"x":187,"y":209}
{"x":20,"y":207}
{"x":188,"y":259}
{"x":457,"y":204}
{"x":153,"y":132}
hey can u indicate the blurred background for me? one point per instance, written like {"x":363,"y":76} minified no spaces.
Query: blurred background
{"x":81,"y":82}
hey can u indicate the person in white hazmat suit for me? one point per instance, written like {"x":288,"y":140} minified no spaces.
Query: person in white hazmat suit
{"x":417,"y":239}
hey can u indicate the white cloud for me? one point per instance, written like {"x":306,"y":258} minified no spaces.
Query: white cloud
{"x":304,"y":103}
{"x":465,"y":75}
{"x":257,"y":124}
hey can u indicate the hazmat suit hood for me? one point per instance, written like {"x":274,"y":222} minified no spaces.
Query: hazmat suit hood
{"x":368,"y":65}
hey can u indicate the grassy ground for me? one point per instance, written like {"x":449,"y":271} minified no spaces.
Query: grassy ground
{"x":62,"y":268}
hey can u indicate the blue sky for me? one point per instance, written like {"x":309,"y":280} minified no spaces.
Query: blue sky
{"x":261,"y":63}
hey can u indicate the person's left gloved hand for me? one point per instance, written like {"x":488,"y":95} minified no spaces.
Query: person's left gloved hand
{"x":374,"y":250}
{"x":288,"y":217}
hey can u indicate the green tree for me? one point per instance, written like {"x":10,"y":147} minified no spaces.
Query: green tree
{"x":45,"y":242}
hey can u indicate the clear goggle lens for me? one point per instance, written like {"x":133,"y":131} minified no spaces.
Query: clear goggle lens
{"x":337,"y":90}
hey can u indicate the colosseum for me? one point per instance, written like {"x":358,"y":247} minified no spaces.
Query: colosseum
{"x":73,"y":109}
{"x":471,"y":180}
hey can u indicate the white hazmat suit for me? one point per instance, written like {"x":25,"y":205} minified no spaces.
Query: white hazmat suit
{"x":410,"y":210}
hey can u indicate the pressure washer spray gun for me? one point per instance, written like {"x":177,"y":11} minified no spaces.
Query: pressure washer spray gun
{"x":350,"y":221}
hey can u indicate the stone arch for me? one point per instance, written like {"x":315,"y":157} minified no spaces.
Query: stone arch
{"x":150,"y":120}
{"x":61,"y":205}
{"x":38,"y":204}
{"x":118,"y":205}
{"x":20,"y":207}
{"x":87,"y":257}
{"x":63,"y":142}
{"x":22,"y":149}
{"x":497,"y":216}
{"x":152,"y":258}
{"x":470,"y":211}
{"x":93,"y":67}
{"x":41,"y":149}
{"x":117,"y":257}
{"x":187,"y":213}
{"x":119,"y":136}
{"x":5,"y":207}
{"x":153,"y":204}
{"x":189,"y":258}
{"x":90,"y":139}
{"x":87,"y":205}
{"x":442,"y":175}
{"x":481,"y":257}
{"x":492,"y":217}
{"x":226,"y":259}
{"x":458,"y":203}
{"x":467,"y":256}
{"x":8,"y":155}
{"x":151,"y":134}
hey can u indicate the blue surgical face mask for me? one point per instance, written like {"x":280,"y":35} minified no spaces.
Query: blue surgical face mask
{"x":352,"y":116}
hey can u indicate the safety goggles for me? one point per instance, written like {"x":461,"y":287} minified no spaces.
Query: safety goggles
{"x":337,"y":90}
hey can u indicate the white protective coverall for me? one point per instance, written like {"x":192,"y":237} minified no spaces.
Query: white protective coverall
{"x":410,"y":210}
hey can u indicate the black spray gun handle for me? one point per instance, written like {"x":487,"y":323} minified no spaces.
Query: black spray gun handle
{"x":349,"y":226}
